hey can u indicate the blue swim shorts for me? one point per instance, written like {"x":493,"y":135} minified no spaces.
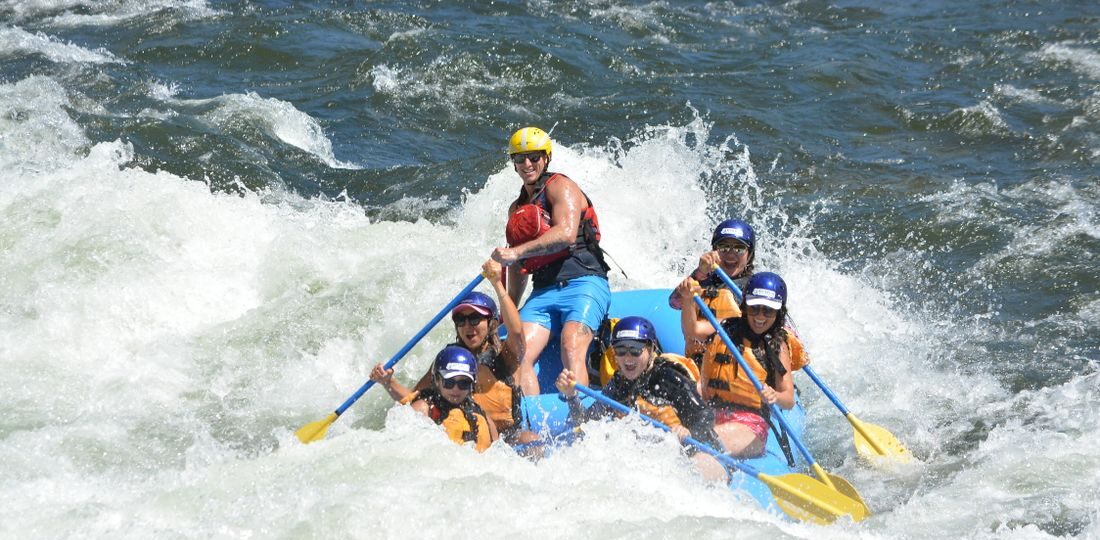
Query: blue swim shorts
{"x":584,"y":299}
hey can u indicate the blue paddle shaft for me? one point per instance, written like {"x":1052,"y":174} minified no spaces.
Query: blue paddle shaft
{"x":821,"y":384}
{"x":729,"y":282}
{"x":752,"y":377}
{"x":598,"y":396}
{"x":805,"y":369}
{"x":412,"y":342}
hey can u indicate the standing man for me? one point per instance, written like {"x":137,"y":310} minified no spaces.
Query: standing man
{"x":553,"y":236}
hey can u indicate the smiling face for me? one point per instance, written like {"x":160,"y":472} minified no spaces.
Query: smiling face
{"x":530,"y":166}
{"x":761,"y":318}
{"x":633,"y":358}
{"x":472,"y":328}
{"x":733,"y":254}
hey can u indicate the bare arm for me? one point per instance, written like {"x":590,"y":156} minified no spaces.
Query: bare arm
{"x":514,"y":346}
{"x":384,"y":377}
{"x":690,"y":324}
{"x":568,"y":202}
{"x":783,"y":393}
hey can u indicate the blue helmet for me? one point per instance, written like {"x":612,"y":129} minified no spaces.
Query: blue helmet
{"x":766,"y":289}
{"x":634,"y":329}
{"x":453,"y":362}
{"x":480,"y":302}
{"x":737,"y":230}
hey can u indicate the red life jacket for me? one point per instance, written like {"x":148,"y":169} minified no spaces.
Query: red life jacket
{"x":532,"y":220}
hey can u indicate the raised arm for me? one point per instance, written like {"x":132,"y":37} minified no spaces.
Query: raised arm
{"x":514,"y":345}
{"x":693,"y":326}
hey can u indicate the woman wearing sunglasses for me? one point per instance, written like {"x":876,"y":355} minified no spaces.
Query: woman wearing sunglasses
{"x":448,"y":401}
{"x":741,"y":413}
{"x":477,"y":322}
{"x":660,"y":386}
{"x":733,"y":248}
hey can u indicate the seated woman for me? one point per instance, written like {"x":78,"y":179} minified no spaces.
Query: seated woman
{"x":476,"y":322}
{"x":660,"y":386}
{"x":733,"y":250}
{"x":448,"y":403}
{"x":741,"y":413}
{"x":734,"y":243}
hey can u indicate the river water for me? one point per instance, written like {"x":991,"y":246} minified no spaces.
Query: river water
{"x":215,"y":217}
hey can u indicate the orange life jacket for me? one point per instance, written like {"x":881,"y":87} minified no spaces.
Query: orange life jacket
{"x":724,"y":382}
{"x":723,"y":304}
{"x":496,"y":397}
{"x":722,"y":379}
{"x":799,"y":357}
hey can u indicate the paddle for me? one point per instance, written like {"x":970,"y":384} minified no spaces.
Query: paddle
{"x":798,"y":495}
{"x":828,"y":479}
{"x":870,"y":440}
{"x":315,"y":431}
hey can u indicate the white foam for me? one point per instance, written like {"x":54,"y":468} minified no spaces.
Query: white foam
{"x":17,"y":40}
{"x":982,"y":119}
{"x":35,"y":131}
{"x":160,"y":343}
{"x":459,"y":83}
{"x":276,"y":117}
{"x":1084,"y":61}
{"x":95,"y":13}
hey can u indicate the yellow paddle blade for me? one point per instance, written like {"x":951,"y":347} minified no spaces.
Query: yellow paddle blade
{"x":848,"y":490}
{"x":875,"y":442}
{"x":825,"y":477}
{"x":806,"y":499}
{"x":840,"y":484}
{"x":315,"y":431}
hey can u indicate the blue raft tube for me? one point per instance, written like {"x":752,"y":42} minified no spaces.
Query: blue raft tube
{"x":548,"y":413}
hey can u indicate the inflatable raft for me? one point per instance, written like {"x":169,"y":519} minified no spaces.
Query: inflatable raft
{"x":548,"y":413}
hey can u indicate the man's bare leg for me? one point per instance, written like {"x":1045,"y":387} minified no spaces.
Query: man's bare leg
{"x":535,"y":339}
{"x":575,"y":339}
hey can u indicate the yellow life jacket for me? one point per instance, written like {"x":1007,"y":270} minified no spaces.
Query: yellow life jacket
{"x":459,"y":430}
{"x":458,"y":422}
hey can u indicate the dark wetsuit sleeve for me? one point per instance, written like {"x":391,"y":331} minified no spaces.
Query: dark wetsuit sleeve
{"x":693,"y":412}
{"x":579,"y":415}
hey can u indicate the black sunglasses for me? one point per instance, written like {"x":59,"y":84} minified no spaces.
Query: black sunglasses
{"x":737,"y":249}
{"x":632,"y":350}
{"x":461,"y":382}
{"x":533,"y":157}
{"x":470,"y":318}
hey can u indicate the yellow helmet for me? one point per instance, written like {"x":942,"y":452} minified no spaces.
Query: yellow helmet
{"x":530,"y":139}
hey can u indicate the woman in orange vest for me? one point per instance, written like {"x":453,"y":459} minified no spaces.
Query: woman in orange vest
{"x":476,"y":321}
{"x":448,"y":401}
{"x":659,"y":386}
{"x":741,"y":413}
{"x":733,"y":250}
